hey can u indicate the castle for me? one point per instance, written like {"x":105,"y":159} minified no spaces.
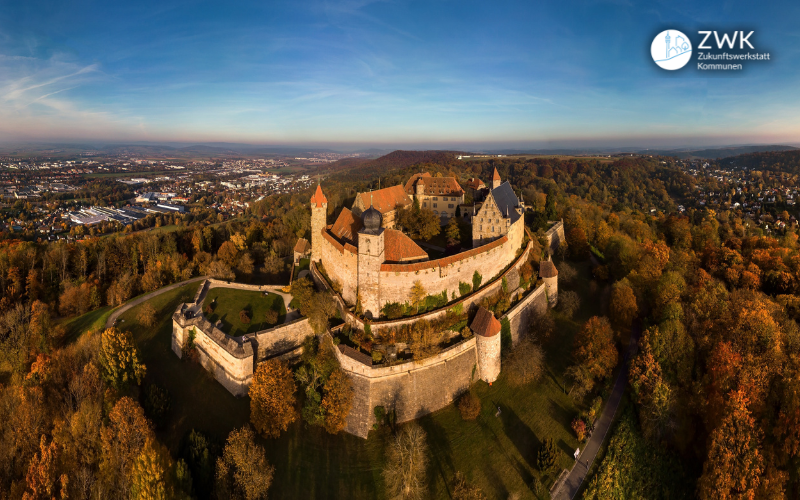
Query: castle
{"x":375,"y":264}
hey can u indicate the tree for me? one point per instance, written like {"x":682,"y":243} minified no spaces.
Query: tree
{"x":547,"y":455}
{"x":244,"y":317}
{"x":469,"y":405}
{"x":146,"y":315}
{"x":220,"y":270}
{"x":462,"y":490}
{"x":578,"y":244}
{"x":273,"y":264}
{"x":418,"y":294}
{"x":735,"y":462}
{"x":272,"y":398}
{"x":337,"y":401}
{"x":525,"y":363}
{"x":43,"y":480}
{"x":476,"y":280}
{"x":569,"y":302}
{"x":122,"y":442}
{"x":243,"y":471}
{"x":453,"y":232}
{"x":405,"y":473}
{"x":151,"y":473}
{"x":271,"y":317}
{"x":228,"y":253}
{"x":623,"y":308}
{"x":594,"y":348}
{"x":119,"y":358}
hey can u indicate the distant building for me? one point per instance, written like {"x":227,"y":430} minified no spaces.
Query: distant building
{"x":441,"y":194}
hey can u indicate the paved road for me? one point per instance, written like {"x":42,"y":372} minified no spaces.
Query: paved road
{"x":569,"y":488}
{"x":138,"y":300}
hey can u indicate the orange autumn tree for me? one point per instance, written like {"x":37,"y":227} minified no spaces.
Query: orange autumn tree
{"x":122,"y":442}
{"x":594,"y":348}
{"x":272,"y":400}
{"x":43,"y":480}
{"x":735,"y":462}
{"x":623,"y":306}
{"x":337,"y":401}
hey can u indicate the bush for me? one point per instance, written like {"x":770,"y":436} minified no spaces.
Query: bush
{"x":244,"y":317}
{"x":462,"y":490}
{"x":469,"y":405}
{"x":567,"y":273}
{"x":380,"y":417}
{"x":546,"y":458}
{"x":271,"y":317}
{"x":466,"y":333}
{"x":579,"y":427}
{"x":393,"y":310}
{"x":464,"y":288}
{"x":568,"y":303}
{"x":476,"y":280}
{"x":156,"y":403}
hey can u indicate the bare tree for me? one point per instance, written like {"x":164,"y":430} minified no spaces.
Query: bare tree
{"x":406,"y":464}
{"x":526,"y":362}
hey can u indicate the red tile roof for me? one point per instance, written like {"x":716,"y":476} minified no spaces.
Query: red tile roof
{"x":475,"y":183}
{"x":398,"y":247}
{"x":336,"y":244}
{"x":447,"y":186}
{"x":386,"y":199}
{"x":485,"y":324}
{"x":346,"y":226}
{"x":319,"y":197}
{"x":302,"y":246}
{"x":547,"y":269}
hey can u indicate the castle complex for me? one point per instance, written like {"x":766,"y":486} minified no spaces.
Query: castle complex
{"x":367,"y":259}
{"x":375,"y":264}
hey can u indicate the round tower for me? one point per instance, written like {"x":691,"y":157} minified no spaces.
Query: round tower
{"x":549,"y":275}
{"x":370,"y":258}
{"x":487,"y":342}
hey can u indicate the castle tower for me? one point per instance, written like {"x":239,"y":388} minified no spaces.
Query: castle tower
{"x":549,"y":275}
{"x":496,"y":179}
{"x":487,"y":341}
{"x":666,"y":39}
{"x":370,"y":258}
{"x":319,"y":215}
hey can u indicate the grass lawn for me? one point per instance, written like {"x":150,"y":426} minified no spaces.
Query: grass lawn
{"x":227,"y":302}
{"x":301,"y":266}
{"x":93,"y":320}
{"x":496,"y":453}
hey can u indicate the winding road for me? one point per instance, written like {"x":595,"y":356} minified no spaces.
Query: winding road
{"x":142,"y":298}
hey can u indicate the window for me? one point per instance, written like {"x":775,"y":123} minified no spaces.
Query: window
{"x":492,"y":228}
{"x":450,"y":206}
{"x":435,"y":198}
{"x":435,"y":212}
{"x":434,"y":205}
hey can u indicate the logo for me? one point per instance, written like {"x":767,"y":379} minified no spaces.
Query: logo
{"x":671,"y":49}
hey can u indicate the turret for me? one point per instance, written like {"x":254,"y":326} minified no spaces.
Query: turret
{"x":496,"y":179}
{"x":549,"y":275}
{"x":487,"y":341}
{"x":319,"y":214}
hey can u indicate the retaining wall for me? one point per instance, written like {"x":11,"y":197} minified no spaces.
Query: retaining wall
{"x":555,"y":235}
{"x":412,"y":389}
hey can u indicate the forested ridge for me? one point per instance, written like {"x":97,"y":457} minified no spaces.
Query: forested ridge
{"x":714,"y":385}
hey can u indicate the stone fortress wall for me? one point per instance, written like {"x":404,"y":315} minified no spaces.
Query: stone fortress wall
{"x":555,"y":235}
{"x":232,"y":360}
{"x":416,"y":388}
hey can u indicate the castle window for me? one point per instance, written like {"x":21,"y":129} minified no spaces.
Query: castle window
{"x":436,"y":212}
{"x":434,"y":205}
{"x":435,"y":199}
{"x":450,"y":206}
{"x":492,"y":228}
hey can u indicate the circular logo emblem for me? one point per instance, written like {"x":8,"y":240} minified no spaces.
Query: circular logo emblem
{"x":671,"y":49}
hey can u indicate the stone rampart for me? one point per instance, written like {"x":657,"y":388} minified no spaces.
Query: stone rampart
{"x":522,"y":314}
{"x":411,"y":389}
{"x":341,"y":264}
{"x":466,"y":302}
{"x":555,"y":235}
{"x":232,"y":359}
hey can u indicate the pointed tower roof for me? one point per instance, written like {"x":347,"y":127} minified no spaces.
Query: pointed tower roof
{"x":495,"y":175}
{"x":319,"y":197}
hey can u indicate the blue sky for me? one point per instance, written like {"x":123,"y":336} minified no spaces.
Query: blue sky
{"x":421,"y":73}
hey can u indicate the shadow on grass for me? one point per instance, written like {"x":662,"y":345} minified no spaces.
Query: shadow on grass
{"x":524,"y":439}
{"x":441,"y":455}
